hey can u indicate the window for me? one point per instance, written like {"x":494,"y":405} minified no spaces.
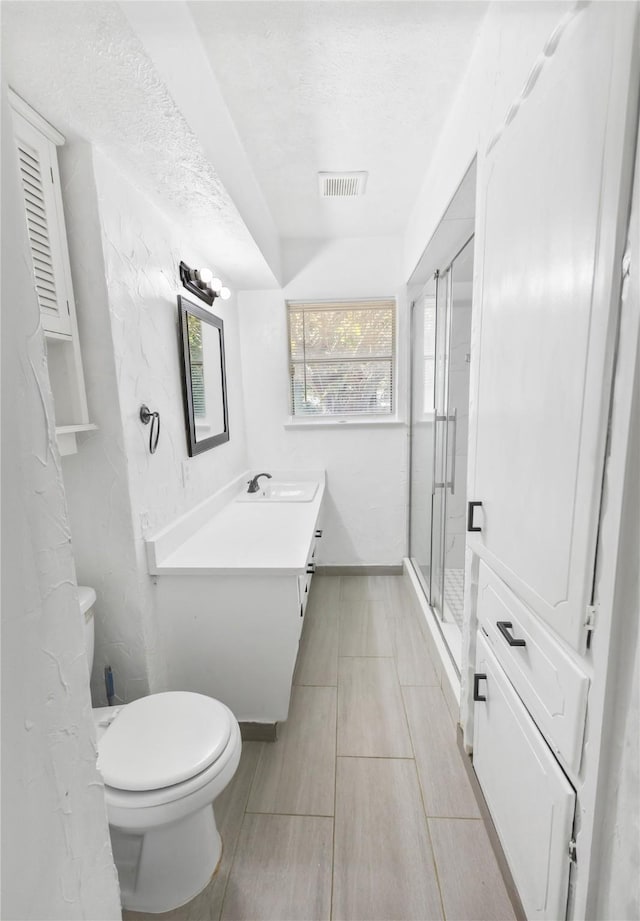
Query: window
{"x":342,"y":358}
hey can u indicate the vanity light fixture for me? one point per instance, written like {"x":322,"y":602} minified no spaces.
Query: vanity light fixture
{"x":203,"y":284}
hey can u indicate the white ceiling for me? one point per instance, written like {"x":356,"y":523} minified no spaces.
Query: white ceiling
{"x":340,"y":85}
{"x":301,"y":86}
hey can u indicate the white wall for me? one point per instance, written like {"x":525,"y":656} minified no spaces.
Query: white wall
{"x":56,"y":853}
{"x":365,"y":505}
{"x":618,"y":896}
{"x":125,"y":253}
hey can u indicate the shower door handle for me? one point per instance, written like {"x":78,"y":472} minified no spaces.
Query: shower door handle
{"x":452,"y":483}
{"x":435,"y":483}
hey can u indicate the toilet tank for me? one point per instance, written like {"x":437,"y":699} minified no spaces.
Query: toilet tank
{"x":87,"y":599}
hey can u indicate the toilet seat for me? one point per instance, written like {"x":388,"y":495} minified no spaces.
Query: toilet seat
{"x":163,"y":741}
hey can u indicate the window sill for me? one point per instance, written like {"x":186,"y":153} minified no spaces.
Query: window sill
{"x":343,"y":423}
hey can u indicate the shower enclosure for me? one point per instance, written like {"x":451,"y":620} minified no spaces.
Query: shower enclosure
{"x":440,"y":356}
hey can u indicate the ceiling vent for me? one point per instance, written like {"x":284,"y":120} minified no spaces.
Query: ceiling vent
{"x":342,"y":185}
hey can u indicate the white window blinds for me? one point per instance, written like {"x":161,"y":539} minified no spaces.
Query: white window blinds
{"x":342,"y":357}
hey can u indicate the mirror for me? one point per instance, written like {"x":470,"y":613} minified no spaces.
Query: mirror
{"x":205,"y":385}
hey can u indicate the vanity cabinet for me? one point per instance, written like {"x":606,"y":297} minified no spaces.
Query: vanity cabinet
{"x":36,"y":148}
{"x":235,"y":637}
{"x":232,"y":584}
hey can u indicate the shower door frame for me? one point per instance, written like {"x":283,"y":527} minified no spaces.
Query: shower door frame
{"x":438,"y":418}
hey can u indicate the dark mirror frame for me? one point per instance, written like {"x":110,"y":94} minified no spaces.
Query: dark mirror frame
{"x":185,"y":308}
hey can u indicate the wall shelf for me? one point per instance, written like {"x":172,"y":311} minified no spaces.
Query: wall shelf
{"x":66,"y":437}
{"x":36,"y":143}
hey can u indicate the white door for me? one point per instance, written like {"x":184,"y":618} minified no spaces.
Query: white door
{"x":532,"y":803}
{"x":556,"y":189}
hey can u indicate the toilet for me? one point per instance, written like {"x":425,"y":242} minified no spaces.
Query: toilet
{"x":164,"y":760}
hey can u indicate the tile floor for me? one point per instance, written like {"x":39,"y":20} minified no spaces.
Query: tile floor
{"x":362,"y":809}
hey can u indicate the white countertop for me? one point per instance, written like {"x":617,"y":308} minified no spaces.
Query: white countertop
{"x":242,"y":538}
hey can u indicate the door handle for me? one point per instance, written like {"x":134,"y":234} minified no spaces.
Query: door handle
{"x":504,"y":626}
{"x":471,"y":507}
{"x":477,"y":678}
{"x":452,"y":482}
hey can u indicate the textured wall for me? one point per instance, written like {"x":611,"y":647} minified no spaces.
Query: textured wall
{"x":365,"y":503}
{"x":83,"y":68}
{"x":56,"y":854}
{"x":125,"y":251}
{"x":96,"y":478}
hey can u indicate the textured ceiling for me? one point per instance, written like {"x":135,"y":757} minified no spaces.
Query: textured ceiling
{"x":80,"y":65}
{"x":338,"y":86}
{"x":309,"y":86}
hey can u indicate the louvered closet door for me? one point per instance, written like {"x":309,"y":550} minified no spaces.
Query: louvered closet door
{"x":556,"y":189}
{"x":38,"y":167}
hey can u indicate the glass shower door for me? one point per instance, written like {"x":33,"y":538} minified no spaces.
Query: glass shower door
{"x":440,"y":354}
{"x":423,"y":322}
{"x":440,"y":443}
{"x":458,"y":364}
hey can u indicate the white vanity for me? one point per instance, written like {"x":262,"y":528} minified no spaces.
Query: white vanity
{"x":233,"y":578}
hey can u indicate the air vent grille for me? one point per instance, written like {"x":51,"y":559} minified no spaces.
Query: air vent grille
{"x":342,"y":185}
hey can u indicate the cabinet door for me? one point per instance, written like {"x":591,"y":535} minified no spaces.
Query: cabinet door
{"x":552,"y":226}
{"x":45,"y":224}
{"x":532,"y":803}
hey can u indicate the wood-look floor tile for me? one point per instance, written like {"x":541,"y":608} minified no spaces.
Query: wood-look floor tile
{"x":281,"y":870}
{"x":325,"y":593}
{"x":365,"y":630}
{"x":363,"y":588}
{"x":229,"y":810}
{"x":412,"y":653}
{"x":371,"y":717}
{"x":383,"y":865}
{"x":445,"y":785}
{"x":470,"y":881}
{"x":398,"y":597}
{"x":296,"y":774}
{"x":317,"y":662}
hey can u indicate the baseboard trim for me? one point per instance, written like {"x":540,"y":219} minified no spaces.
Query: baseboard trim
{"x":259,"y":732}
{"x":503,"y":866}
{"x":365,"y":570}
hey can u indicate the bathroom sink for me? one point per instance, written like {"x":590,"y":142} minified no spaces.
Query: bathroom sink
{"x":281,"y":492}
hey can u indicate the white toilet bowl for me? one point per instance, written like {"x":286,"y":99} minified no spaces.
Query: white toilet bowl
{"x":164,"y":759}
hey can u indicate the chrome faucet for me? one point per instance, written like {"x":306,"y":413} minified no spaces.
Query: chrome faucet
{"x":253,"y":484}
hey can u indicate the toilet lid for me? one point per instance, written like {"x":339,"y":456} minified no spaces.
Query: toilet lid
{"x":163,"y":739}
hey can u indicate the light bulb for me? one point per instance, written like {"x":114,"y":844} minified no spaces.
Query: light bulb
{"x":215,"y":284}
{"x":225,"y":294}
{"x":204,"y":275}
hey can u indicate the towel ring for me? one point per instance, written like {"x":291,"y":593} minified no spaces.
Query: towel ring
{"x":146,"y":417}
